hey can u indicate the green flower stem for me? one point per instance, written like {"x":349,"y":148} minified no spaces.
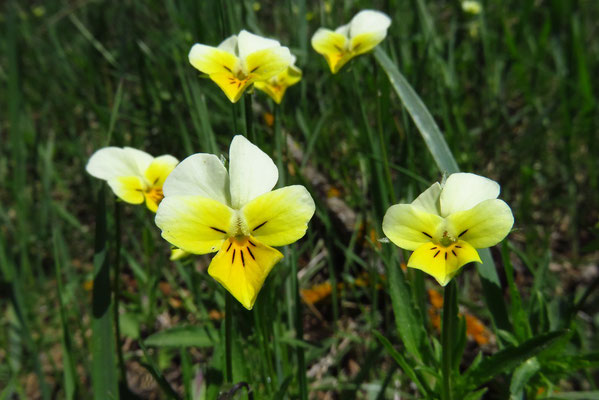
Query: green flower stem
{"x":117,"y":293}
{"x":228,"y":337}
{"x":280,"y":144}
{"x":299,"y":330}
{"x":249,"y":120}
{"x":450,"y":321}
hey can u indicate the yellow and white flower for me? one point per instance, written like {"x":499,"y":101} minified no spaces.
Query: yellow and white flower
{"x":207,"y":209}
{"x":447,"y":223}
{"x":471,"y":7}
{"x":133,"y":175}
{"x":239,"y":61}
{"x":276,"y":86}
{"x":366,"y":30}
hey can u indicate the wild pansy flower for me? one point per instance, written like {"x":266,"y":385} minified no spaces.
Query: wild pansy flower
{"x":448,"y":222}
{"x":276,"y":86}
{"x":207,"y":209}
{"x":133,"y":175}
{"x":471,"y":7}
{"x":239,"y":61}
{"x":366,"y":30}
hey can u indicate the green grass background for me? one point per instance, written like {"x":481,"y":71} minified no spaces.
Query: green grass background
{"x":512,"y":89}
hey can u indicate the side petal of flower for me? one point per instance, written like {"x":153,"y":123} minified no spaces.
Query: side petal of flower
{"x":264,"y":64}
{"x":277,"y":86}
{"x":211,"y":60}
{"x":199,"y":175}
{"x":251,"y":172}
{"x":280,"y":217}
{"x":484,"y":225}
{"x":440,"y":262}
{"x":192,"y":223}
{"x":369,"y":21}
{"x":409,"y":227}
{"x":332,"y":45}
{"x":462,"y":191}
{"x":111,"y":162}
{"x":140,"y":158}
{"x":241,"y":267}
{"x":159,"y":169}
{"x":130,"y":189}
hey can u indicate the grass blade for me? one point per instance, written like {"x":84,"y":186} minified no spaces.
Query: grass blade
{"x":181,"y":336}
{"x":103,"y":347}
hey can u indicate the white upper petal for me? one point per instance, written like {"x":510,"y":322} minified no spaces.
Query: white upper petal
{"x":429,"y":199}
{"x":344,"y":30}
{"x":462,"y":191}
{"x":199,"y":174}
{"x":248,"y":43}
{"x":111,"y":162}
{"x":368,"y":21}
{"x":251,"y":172}
{"x":229,"y":45}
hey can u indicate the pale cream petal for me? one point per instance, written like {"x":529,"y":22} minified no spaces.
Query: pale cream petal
{"x":200,"y":175}
{"x":463,"y":191}
{"x":195,"y":224}
{"x":369,"y":21}
{"x":280,"y":217}
{"x":429,"y":199}
{"x":140,"y":158}
{"x":409,"y":226}
{"x":251,"y":172}
{"x":484,"y":225}
{"x":229,"y":45}
{"x":248,"y":43}
{"x":111,"y":162}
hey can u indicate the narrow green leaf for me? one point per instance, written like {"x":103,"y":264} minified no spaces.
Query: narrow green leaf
{"x":592,"y":395}
{"x":521,"y":324}
{"x":152,"y":368}
{"x":409,"y":327}
{"x":508,"y":359}
{"x":181,"y":336}
{"x":104,"y":377}
{"x":404,"y":364}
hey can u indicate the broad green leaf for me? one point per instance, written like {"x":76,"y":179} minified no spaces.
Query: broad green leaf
{"x":104,"y":379}
{"x":181,"y":336}
{"x":507,"y":359}
{"x":444,"y":159}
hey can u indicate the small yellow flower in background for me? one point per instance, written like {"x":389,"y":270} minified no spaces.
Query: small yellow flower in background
{"x":447,"y":223}
{"x":276,"y":86}
{"x":471,"y":7}
{"x":207,"y":209}
{"x":133,"y":175}
{"x":366,"y":30}
{"x":239,"y":61}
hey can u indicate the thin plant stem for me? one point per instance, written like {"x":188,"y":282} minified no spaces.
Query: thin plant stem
{"x":234,"y":110}
{"x":228,"y":337}
{"x":280,"y":144}
{"x":450,"y":307}
{"x":249,"y":121}
{"x":117,"y":293}
{"x":299,"y":331}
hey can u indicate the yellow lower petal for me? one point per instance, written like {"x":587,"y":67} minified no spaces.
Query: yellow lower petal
{"x":442,"y":263}
{"x":130,"y":189}
{"x":159,"y":169}
{"x":231,"y":85}
{"x":241,"y":266}
{"x":153,"y":198}
{"x":332,"y":45}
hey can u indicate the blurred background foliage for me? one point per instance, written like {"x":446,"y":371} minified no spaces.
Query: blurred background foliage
{"x":511,"y":88}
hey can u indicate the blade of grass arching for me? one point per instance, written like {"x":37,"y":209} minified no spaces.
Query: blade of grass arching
{"x":521,"y":323}
{"x":104,"y":379}
{"x":118,"y":97}
{"x":446,"y":163}
{"x":68,"y":368}
{"x":299,"y":326}
{"x":410,"y":372}
{"x":150,"y":365}
{"x":90,"y":37}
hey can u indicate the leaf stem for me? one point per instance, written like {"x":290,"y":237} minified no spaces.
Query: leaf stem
{"x":450,"y":313}
{"x":117,"y":293}
{"x":228,"y":337}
